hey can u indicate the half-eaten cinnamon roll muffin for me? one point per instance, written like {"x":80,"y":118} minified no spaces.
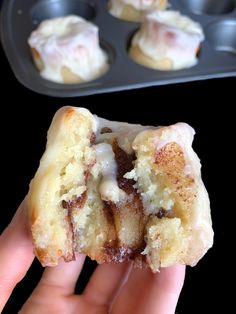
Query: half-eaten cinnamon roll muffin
{"x":116,"y":191}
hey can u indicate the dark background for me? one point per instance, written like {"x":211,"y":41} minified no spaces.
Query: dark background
{"x":206,"y":105}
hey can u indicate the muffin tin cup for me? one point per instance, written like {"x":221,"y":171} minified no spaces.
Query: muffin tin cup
{"x":209,"y":7}
{"x":217,"y":56}
{"x":222,"y":35}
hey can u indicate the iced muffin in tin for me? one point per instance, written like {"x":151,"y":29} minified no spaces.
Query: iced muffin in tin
{"x":66,"y":50}
{"x":167,"y":40}
{"x":134,"y":10}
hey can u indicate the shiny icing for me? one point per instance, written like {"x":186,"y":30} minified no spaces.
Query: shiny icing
{"x":69,"y":42}
{"x":168,"y":34}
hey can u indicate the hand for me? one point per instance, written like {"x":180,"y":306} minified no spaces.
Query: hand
{"x":113,"y":288}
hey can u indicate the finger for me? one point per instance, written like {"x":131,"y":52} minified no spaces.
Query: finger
{"x":55,"y":289}
{"x":146,"y":292}
{"x":60,"y":280}
{"x":166,"y":288}
{"x":106,"y":282}
{"x":16,"y":253}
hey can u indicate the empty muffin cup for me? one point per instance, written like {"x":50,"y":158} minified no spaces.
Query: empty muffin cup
{"x":211,"y":7}
{"x":49,"y":9}
{"x":222,"y":35}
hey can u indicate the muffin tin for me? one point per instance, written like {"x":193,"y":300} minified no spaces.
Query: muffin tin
{"x":217,"y":56}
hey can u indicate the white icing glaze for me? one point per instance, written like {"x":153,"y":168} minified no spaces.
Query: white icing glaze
{"x":69,"y":42}
{"x":180,"y":133}
{"x":108,"y":188}
{"x":167,"y":34}
{"x":124,"y":132}
{"x":117,"y":6}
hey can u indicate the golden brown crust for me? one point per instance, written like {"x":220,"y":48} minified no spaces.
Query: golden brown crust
{"x":138,"y":56}
{"x":129,"y":13}
{"x":37,"y":59}
{"x":68,"y":76}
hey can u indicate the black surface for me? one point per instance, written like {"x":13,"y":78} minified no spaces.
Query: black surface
{"x":115,"y":35}
{"x":206,"y":105}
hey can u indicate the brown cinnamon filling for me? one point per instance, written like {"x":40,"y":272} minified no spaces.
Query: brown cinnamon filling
{"x":118,"y":253}
{"x":109,"y":209}
{"x":76,"y":203}
{"x":162,"y":213}
{"x":93,"y":138}
{"x":114,"y":250}
{"x":106,"y":130}
{"x":124,"y":164}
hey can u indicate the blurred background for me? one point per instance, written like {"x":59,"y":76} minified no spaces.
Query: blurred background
{"x":206,"y":105}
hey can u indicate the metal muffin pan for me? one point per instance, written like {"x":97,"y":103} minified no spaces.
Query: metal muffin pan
{"x":217,"y":56}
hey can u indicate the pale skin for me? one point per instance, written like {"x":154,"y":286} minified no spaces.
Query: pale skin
{"x":115,"y":288}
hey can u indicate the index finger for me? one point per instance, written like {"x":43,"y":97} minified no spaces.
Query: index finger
{"x":16,"y":254}
{"x":146,"y":292}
